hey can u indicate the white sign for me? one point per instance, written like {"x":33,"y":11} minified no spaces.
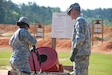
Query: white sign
{"x":97,"y":28}
{"x":62,"y":25}
{"x":39,"y":32}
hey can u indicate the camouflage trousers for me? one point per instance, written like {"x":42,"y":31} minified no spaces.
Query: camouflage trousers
{"x":13,"y":72}
{"x":81,"y":65}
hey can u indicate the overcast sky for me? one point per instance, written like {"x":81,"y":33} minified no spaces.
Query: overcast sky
{"x":64,"y":4}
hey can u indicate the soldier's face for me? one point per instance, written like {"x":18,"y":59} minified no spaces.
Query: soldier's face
{"x":73,"y":14}
{"x":26,"y":27}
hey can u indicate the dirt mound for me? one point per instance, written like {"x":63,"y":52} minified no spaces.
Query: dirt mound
{"x":105,"y":47}
{"x":44,"y":43}
{"x":7,"y":28}
{"x":4,"y":42}
{"x":64,"y":45}
{"x":12,"y":28}
{"x":61,"y":44}
{"x":107,"y":30}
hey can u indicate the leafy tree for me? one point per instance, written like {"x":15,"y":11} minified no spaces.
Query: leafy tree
{"x":10,"y":13}
{"x":1,"y":12}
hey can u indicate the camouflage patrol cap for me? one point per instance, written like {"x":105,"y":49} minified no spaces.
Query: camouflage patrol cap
{"x":73,"y":6}
{"x":24,"y":20}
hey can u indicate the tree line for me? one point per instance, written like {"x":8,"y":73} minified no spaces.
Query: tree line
{"x":99,"y":14}
{"x":10,"y":13}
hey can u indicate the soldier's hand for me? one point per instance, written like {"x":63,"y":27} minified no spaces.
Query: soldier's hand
{"x":73,"y":54}
{"x":33,"y":48}
{"x":72,"y":57}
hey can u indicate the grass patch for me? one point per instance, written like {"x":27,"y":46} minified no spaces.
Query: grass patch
{"x":4,"y":56}
{"x":100,"y":64}
{"x":64,"y":58}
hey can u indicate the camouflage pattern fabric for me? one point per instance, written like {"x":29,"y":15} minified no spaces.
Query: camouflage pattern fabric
{"x":81,"y":65}
{"x":20,"y":42}
{"x":81,"y":40}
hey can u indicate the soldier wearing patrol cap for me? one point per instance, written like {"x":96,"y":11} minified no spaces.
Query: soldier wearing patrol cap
{"x":20,"y":42}
{"x":81,"y":41}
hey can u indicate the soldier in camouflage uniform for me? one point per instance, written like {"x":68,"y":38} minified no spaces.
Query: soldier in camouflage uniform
{"x":20,"y":42}
{"x":81,"y":41}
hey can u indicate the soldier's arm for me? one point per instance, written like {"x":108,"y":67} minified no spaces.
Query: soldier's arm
{"x":29,"y":38}
{"x":80,"y":33}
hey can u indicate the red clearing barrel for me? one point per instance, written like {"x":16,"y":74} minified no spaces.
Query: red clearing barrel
{"x":49,"y":60}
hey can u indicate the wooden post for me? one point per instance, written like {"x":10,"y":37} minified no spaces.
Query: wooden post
{"x":54,"y":43}
{"x":43,"y":32}
{"x":35,"y":30}
{"x":92,"y":32}
{"x":102,"y":30}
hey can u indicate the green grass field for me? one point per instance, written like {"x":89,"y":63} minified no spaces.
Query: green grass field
{"x":4,"y":56}
{"x":100,"y":64}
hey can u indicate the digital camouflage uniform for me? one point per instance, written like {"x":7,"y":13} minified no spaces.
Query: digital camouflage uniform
{"x":19,"y":60}
{"x":81,"y":40}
